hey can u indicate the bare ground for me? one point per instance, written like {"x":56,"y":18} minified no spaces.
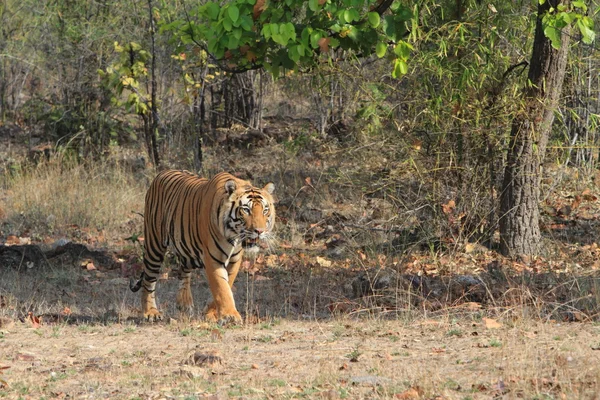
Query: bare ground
{"x":74,"y":333}
{"x":301,"y":359}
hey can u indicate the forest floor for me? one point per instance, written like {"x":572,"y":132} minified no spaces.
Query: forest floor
{"x":376,"y":289}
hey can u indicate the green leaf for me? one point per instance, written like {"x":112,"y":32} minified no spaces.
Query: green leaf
{"x":300,"y":49}
{"x":266,"y":31}
{"x":587,"y":34}
{"x":233,"y":12}
{"x":294,"y":54}
{"x":314,"y":39}
{"x":290,"y":30}
{"x":237,"y":33}
{"x":247,"y":23}
{"x":274,"y":29}
{"x":381,"y":49}
{"x":277,"y":38}
{"x":400,"y":68}
{"x":374,"y":19}
{"x":233,"y":42}
{"x":403,"y":50}
{"x":347,"y":16}
{"x":212,"y":10}
{"x":227,"y":24}
{"x":579,"y":4}
{"x":313,"y":5}
{"x":553,"y":34}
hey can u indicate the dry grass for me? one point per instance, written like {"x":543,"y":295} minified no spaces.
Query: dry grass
{"x":51,"y":198}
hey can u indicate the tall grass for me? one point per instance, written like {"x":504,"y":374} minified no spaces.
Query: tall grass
{"x":53,"y":197}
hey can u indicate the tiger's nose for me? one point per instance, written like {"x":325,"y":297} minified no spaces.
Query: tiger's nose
{"x":259,"y":230}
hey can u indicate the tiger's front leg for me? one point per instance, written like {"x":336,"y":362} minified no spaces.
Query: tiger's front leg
{"x":222,"y":309}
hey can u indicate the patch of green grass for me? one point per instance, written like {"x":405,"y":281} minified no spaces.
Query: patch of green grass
{"x":186,"y":332}
{"x":354,"y":354}
{"x":56,"y":332}
{"x":452,"y":384}
{"x":270,"y":324}
{"x":495,"y":343}
{"x":277,"y":382}
{"x":454,"y":332}
{"x":265,"y":339}
{"x":344,"y":394}
{"x":129,"y":329}
{"x":57,"y":376}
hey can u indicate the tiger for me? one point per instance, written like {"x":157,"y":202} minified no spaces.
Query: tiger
{"x":205,"y":223}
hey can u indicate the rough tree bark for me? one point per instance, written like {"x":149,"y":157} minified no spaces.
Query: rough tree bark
{"x":519,"y":213}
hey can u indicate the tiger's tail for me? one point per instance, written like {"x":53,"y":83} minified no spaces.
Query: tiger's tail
{"x":135,"y":286}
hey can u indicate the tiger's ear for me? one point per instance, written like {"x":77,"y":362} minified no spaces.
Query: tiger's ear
{"x":269,"y":188}
{"x":230,"y":186}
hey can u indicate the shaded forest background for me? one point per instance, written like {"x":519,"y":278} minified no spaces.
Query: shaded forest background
{"x":372,"y":172}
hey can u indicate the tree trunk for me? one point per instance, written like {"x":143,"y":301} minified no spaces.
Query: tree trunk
{"x":153,"y":123}
{"x":519,"y":213}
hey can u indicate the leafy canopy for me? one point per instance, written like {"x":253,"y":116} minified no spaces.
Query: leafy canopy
{"x":566,"y":14}
{"x":293,"y":34}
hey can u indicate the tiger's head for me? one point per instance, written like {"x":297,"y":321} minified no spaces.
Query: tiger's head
{"x":252,"y":214}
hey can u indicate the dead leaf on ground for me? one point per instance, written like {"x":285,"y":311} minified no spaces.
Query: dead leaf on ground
{"x":588,"y":195}
{"x":412,"y":393}
{"x":89,"y":265}
{"x":471,"y":306}
{"x":33,"y":320}
{"x":448,"y":207}
{"x":25,"y":357}
{"x":204,"y":359}
{"x":323,"y":262}
{"x":492,"y":323}
{"x":216,"y":334}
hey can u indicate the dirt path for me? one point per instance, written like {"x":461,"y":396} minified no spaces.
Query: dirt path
{"x":301,"y":359}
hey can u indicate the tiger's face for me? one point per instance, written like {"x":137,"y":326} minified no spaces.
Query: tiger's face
{"x":252,"y":215}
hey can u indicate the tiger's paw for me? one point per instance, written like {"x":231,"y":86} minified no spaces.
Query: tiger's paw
{"x":153,"y":315}
{"x":230,"y":319}
{"x":210,"y":313}
{"x":223,"y":318}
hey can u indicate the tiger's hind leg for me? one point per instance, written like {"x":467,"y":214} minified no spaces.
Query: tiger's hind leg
{"x":185,"y":300}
